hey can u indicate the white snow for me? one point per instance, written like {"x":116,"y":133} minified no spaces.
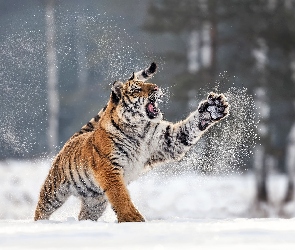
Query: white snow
{"x":186,"y":211}
{"x":157,"y":234}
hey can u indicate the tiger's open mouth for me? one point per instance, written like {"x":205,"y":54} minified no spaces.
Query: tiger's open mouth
{"x":152,"y":110}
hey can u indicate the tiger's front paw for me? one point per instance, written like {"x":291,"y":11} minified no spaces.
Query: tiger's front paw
{"x":131,"y":215}
{"x":212,"y":110}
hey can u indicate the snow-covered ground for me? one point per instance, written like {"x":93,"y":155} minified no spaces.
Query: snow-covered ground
{"x":157,"y":234}
{"x":185,"y":210}
{"x":157,"y":196}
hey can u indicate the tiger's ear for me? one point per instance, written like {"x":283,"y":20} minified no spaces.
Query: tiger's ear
{"x":116,"y":91}
{"x":145,"y":74}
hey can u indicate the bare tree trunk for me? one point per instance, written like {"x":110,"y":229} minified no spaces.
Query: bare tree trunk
{"x":260,"y":174}
{"x":290,"y":155}
{"x":206,"y":48}
{"x":193,"y":54}
{"x":290,"y":172}
{"x":53,"y":100}
{"x":213,"y":38}
{"x":260,"y":155}
{"x":82,"y":60}
{"x":290,"y":162}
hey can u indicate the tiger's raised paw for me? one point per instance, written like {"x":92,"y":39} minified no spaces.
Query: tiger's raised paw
{"x":212,"y":110}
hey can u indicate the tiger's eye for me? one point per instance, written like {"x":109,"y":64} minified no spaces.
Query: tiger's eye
{"x":136,"y":90}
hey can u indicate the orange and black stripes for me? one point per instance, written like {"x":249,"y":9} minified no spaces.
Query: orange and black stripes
{"x":115,"y":147}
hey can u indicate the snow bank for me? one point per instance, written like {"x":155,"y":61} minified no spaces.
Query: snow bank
{"x":203,"y":234}
{"x":185,"y":211}
{"x":20,"y":184}
{"x":157,"y":195}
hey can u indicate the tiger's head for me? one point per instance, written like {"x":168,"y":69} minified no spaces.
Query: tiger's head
{"x":136,"y":101}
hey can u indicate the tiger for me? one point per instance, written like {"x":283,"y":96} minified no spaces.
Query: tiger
{"x":127,"y":138}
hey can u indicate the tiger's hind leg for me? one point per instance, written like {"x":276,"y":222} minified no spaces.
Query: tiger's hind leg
{"x":92,"y":208}
{"x":53,"y":195}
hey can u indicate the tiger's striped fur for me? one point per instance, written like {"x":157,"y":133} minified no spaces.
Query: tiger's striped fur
{"x":126,"y":139}
{"x":142,"y":75}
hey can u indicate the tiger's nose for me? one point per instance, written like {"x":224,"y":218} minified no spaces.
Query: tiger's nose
{"x":156,"y":88}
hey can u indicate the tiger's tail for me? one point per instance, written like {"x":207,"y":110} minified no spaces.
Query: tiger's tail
{"x":91,"y":125}
{"x":54,"y":192}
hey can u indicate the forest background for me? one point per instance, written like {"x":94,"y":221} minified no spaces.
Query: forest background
{"x":58,"y":59}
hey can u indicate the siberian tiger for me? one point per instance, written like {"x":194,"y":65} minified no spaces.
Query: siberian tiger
{"x":128,"y":137}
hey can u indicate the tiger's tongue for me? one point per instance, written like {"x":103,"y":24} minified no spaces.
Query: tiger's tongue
{"x":151,"y":107}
